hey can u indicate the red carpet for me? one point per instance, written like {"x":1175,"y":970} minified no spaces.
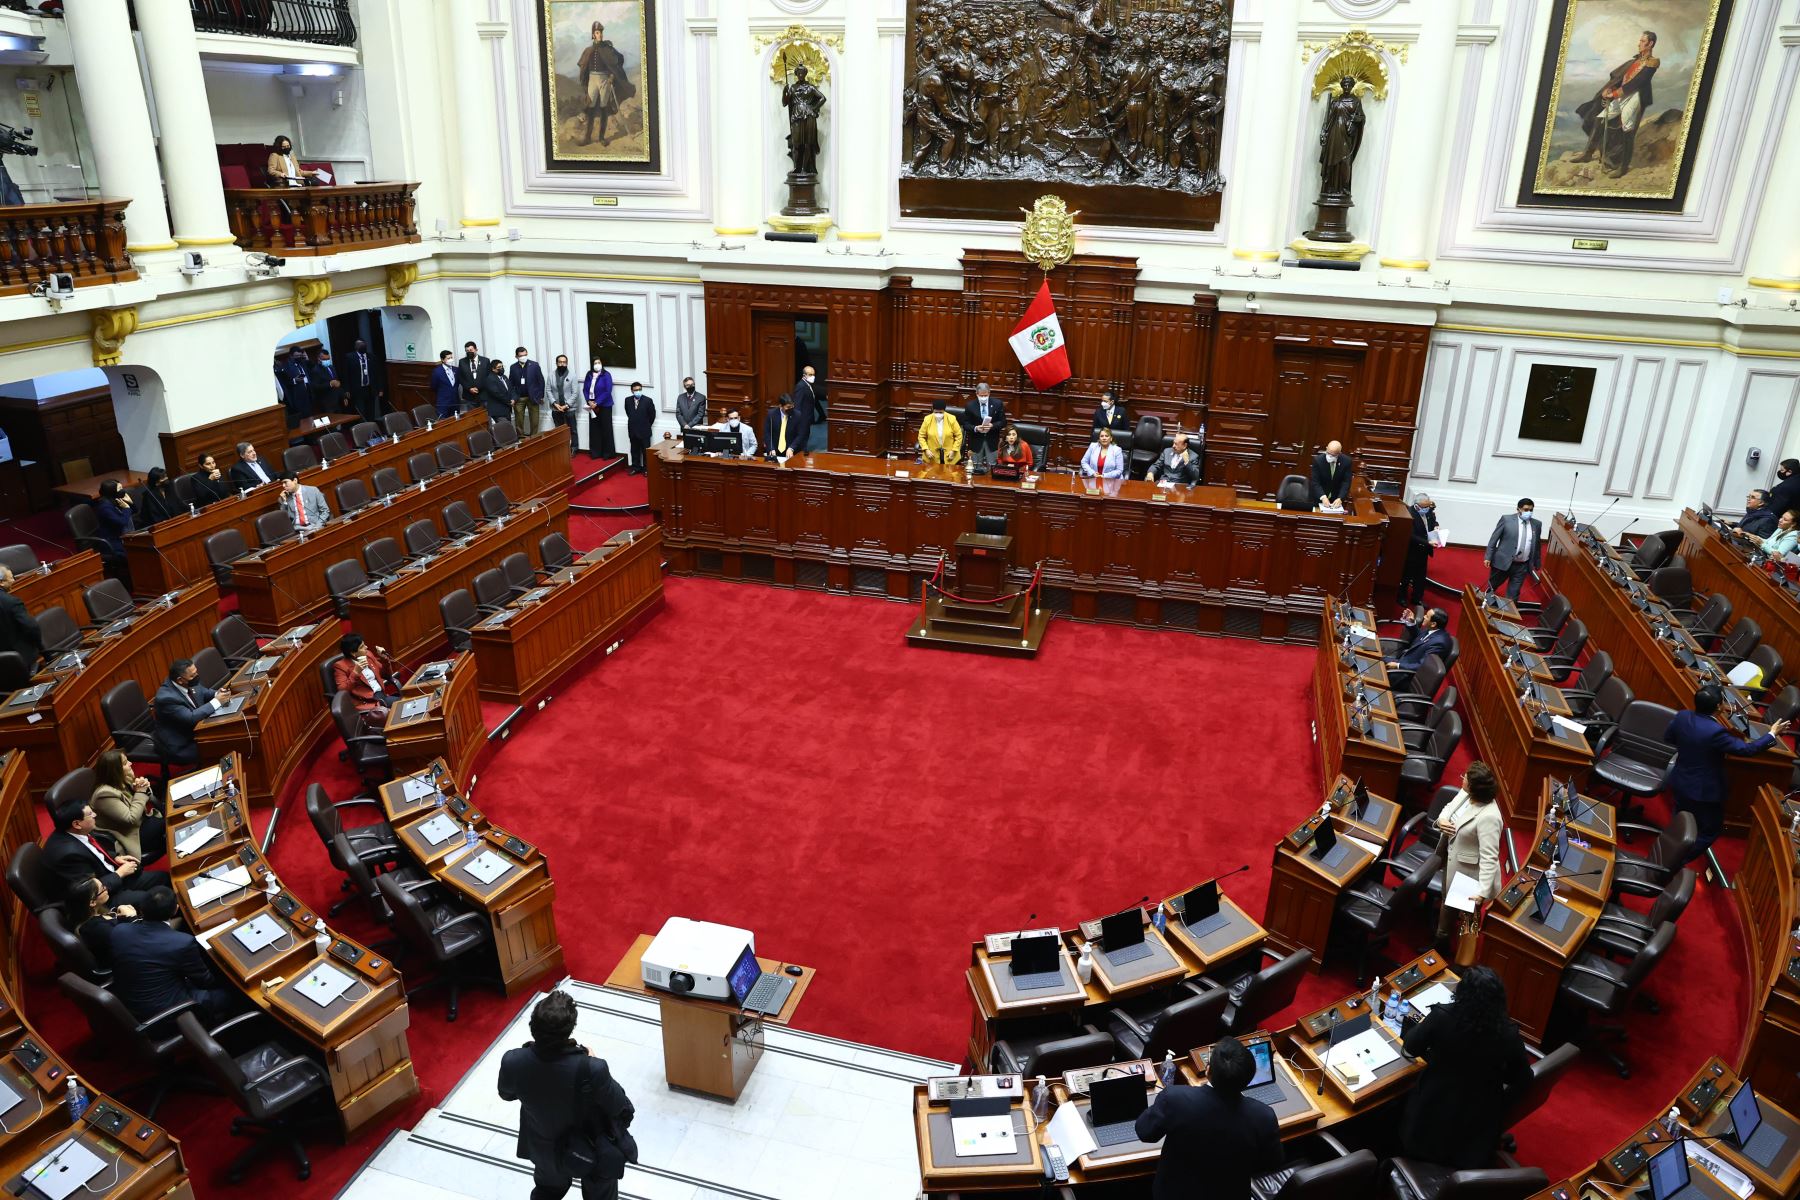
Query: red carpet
{"x":871,"y":809}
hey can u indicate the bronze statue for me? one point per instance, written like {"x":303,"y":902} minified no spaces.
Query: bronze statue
{"x":804,"y":103}
{"x":1340,"y":137}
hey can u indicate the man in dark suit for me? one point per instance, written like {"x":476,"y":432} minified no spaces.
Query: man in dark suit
{"x":250,"y":471}
{"x":640,"y":423}
{"x":1215,"y":1139}
{"x":1785,"y":495}
{"x":780,"y":430}
{"x":210,"y":481}
{"x":445,"y":387}
{"x":181,"y":703}
{"x":359,"y":377}
{"x":75,"y":850}
{"x":806,"y":397}
{"x":296,"y":395}
{"x":322,"y":383}
{"x":560,"y":1087}
{"x":471,"y":369}
{"x":1759,"y":519}
{"x":156,"y":968}
{"x":1697,"y":776}
{"x":985,"y":417}
{"x":690,"y":406}
{"x":1111,"y":415}
{"x":1432,"y":638}
{"x":526,"y":379}
{"x":19,"y":633}
{"x":1331,"y":474}
{"x":1515,"y":548}
{"x":1419,"y":549}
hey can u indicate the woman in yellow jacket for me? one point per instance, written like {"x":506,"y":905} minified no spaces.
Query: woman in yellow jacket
{"x":122,"y":806}
{"x":940,"y":435}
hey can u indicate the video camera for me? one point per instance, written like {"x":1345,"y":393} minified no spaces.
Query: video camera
{"x":12,"y":141}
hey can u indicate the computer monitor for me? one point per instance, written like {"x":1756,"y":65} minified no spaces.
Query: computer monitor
{"x":1542,"y":898}
{"x":1746,"y":1114}
{"x":1116,"y":1099}
{"x":744,"y":974}
{"x":1669,"y":1170}
{"x":693,"y":441}
{"x":1562,"y":843}
{"x":1359,"y":806}
{"x":1200,"y":902}
{"x":1324,"y":840}
{"x":1035,"y":955}
{"x":1264,"y":1056}
{"x":1122,"y":929}
{"x":725,"y":441}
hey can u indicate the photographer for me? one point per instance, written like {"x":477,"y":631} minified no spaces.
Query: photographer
{"x":12,"y":141}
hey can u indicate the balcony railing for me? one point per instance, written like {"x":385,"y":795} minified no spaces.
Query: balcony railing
{"x":322,"y":22}
{"x":322,"y":220}
{"x":83,"y":238}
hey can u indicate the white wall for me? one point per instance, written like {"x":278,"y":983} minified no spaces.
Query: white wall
{"x":327,"y":118}
{"x":63,"y":167}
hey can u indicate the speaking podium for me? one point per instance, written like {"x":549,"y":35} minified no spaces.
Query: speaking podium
{"x":976,"y":617}
{"x":709,"y":1046}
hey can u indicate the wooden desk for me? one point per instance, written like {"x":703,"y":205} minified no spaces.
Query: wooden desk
{"x":1523,"y":756}
{"x":1716,"y":565}
{"x":1195,"y":558}
{"x":182,"y":448}
{"x":1767,"y":895}
{"x":1648,"y":665}
{"x":1239,"y":936}
{"x":450,"y":728}
{"x":78,"y":491}
{"x":1303,"y":891}
{"x":284,"y":712}
{"x":518,"y":903}
{"x":64,"y":728}
{"x":1372,"y":750}
{"x":403,"y":614}
{"x":995,"y":1003}
{"x":59,"y":584}
{"x":173,"y":552}
{"x":1530,"y":957}
{"x":534,"y":641}
{"x":708,"y":1046}
{"x":18,"y":825}
{"x":284,"y":583}
{"x":360,"y":1037}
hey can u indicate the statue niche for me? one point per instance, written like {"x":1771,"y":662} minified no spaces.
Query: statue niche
{"x":1114,"y":105}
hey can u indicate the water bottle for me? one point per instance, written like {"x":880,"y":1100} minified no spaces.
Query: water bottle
{"x":1392,"y":1013}
{"x":470,"y":837}
{"x":78,"y":1100}
{"x":192,"y":511}
{"x":1159,"y":919}
{"x":1672,"y":1122}
{"x":427,"y":424}
{"x":1550,"y":874}
{"x":1375,"y":994}
{"x":1084,"y":966}
{"x":1040,"y":1100}
{"x":1169,"y":1073}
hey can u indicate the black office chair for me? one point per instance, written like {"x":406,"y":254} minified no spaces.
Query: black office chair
{"x":367,"y":752}
{"x":37,"y":887}
{"x":1648,"y":555}
{"x":1150,"y":1030}
{"x":212,"y":667}
{"x":268,"y":1083}
{"x":1633,"y":759}
{"x":421,"y":466}
{"x":1610,"y":702}
{"x":183,"y":487}
{"x":490,"y":591}
{"x":1335,"y":1176}
{"x":71,"y":953}
{"x":1294,"y":494}
{"x":19,"y":558}
{"x":1053,"y":1052}
{"x":274,"y":527}
{"x":1146,"y":444}
{"x":1783,"y":706}
{"x":222,"y":549}
{"x":333,"y":446}
{"x":84,"y":527}
{"x":1263,"y":993}
{"x":494,"y":502}
{"x":1621,"y":930}
{"x":1560,"y":661}
{"x":1417,"y":734}
{"x":296,"y":459}
{"x":1650,"y":873}
{"x":374,"y":845}
{"x":155,"y":1045}
{"x":422,"y":539}
{"x":1765,"y":658}
{"x":1368,"y":910}
{"x":1593,"y":985}
{"x":15,"y":672}
{"x":1549,"y":621}
{"x":383,"y":557}
{"x":520,"y":577}
{"x":1414,"y":694}
{"x":481,"y":443}
{"x":236,"y":641}
{"x":505,"y":433}
{"x":1038,"y":438}
{"x":423,"y":415}
{"x":387,"y":482}
{"x":1412,"y":1179}
{"x":58,"y":629}
{"x":459,"y":614}
{"x":397,"y":424}
{"x":449,"y":456}
{"x":107,"y":601}
{"x":458,"y":520}
{"x":1672,"y":585}
{"x":350,"y":495}
{"x":328,"y":688}
{"x":1743,"y":637}
{"x":71,"y":785}
{"x":1418,"y":839}
{"x":130,"y":722}
{"x":554,"y":552}
{"x":453,"y":937}
{"x":1582,"y":693}
{"x":1706,"y":624}
{"x":1423,"y":768}
{"x":364,"y":432}
{"x":1545,"y":1071}
{"x":341,"y":579}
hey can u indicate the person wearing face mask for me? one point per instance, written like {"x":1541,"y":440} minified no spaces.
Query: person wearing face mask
{"x":1515,"y":548}
{"x":444,"y":386}
{"x":114,"y":511}
{"x":160,"y":500}
{"x":296,"y":387}
{"x":940,"y":435}
{"x":322,"y":384}
{"x":472,"y":371}
{"x":1786,"y":492}
{"x":496,"y":393}
{"x":367,"y":673}
{"x":526,"y":379}
{"x":778,"y":429}
{"x":986,"y":417}
{"x":1331,"y":475}
{"x":690,"y":406}
{"x":181,"y":703}
{"x":597,"y":399}
{"x":564,"y":393}
{"x":731,"y":424}
{"x":1420,"y":546}
{"x":359,"y":374}
{"x":283,"y":171}
{"x":806,"y":398}
{"x":640,"y":422}
{"x":209,"y":481}
{"x":1111,"y":415}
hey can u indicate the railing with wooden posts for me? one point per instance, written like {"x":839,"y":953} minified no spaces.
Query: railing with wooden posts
{"x":322,"y":220}
{"x":323,"y":22}
{"x":82,"y":238}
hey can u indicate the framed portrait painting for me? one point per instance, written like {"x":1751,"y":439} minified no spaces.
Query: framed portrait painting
{"x":597,"y":62}
{"x":1621,"y":103}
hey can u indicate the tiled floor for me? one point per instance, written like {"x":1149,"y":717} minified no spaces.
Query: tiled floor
{"x":820,"y":1120}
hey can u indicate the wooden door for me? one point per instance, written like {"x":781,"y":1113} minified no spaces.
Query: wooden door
{"x":774,"y":363}
{"x":1313,"y":402}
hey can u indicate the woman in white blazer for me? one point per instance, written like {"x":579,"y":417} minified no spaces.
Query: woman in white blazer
{"x":1470,"y":827}
{"x":1103,"y":458}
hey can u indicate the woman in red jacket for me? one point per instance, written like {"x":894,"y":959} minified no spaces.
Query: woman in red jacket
{"x":366,"y":672}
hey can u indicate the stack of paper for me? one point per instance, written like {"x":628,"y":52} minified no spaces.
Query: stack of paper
{"x":1431,"y":997}
{"x":1361,"y":1057}
{"x":1071,"y":1133}
{"x":211,"y":885}
{"x":438,"y":829}
{"x":194,"y":784}
{"x":196,"y":836}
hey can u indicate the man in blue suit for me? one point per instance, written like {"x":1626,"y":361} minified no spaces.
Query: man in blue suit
{"x":181,"y":703}
{"x":1697,"y":776}
{"x":156,"y":968}
{"x":443,"y":386}
{"x":1432,"y":638}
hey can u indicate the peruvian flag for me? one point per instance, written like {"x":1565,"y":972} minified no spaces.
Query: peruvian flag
{"x":1038,"y":341}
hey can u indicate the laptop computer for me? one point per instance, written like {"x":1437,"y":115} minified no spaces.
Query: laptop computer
{"x":1122,"y":936}
{"x":1199,"y":907}
{"x":1326,"y":848}
{"x":1114,"y":1105}
{"x":755,"y":989}
{"x":982,"y":1126}
{"x":1359,"y":802}
{"x":1264,"y":1085}
{"x":1669,"y":1174}
{"x":1755,"y":1138}
{"x":1036,"y":962}
{"x":1545,"y":910}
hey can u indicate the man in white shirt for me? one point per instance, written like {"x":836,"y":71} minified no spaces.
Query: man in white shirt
{"x":732,"y":424}
{"x":305,"y":504}
{"x":1515,"y":548}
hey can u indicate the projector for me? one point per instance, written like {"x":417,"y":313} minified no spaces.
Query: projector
{"x":695,"y":958}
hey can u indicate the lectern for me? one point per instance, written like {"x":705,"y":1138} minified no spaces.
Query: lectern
{"x":982,"y":560}
{"x":976,"y":617}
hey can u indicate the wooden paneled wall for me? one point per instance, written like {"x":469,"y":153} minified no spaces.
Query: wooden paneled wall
{"x":266,"y":428}
{"x":1271,"y":390}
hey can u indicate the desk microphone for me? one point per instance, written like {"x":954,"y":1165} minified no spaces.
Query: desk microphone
{"x":1572,"y":486}
{"x":1325,"y":1062}
{"x":1230,"y":873}
{"x":1596,"y":521}
{"x":1620,"y":540}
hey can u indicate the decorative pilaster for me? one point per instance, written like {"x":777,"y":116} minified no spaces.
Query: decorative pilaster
{"x":190,"y":165}
{"x":1413,"y":191}
{"x":1259,"y":210}
{"x":112,"y":94}
{"x":475,"y":127}
{"x":738,"y":201}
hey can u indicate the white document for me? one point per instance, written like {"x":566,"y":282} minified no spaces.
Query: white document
{"x":1438,"y":536}
{"x":981,"y":1136}
{"x":1364,"y":634}
{"x":323,"y":983}
{"x":194,"y":784}
{"x":488,"y":866}
{"x":64,"y":1170}
{"x":1431,"y":997}
{"x":9,"y":1097}
{"x":1069,"y":1131}
{"x":1567,"y":726}
{"x":322,"y":175}
{"x":205,"y":888}
{"x":262,"y":931}
{"x":1723,"y":1171}
{"x":197,"y":836}
{"x":1461,"y":895}
{"x":416,"y":787}
{"x":438,"y":829}
{"x":1362,"y":1055}
{"x":1371,"y":847}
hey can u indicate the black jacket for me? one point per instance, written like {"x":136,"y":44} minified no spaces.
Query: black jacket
{"x":996,"y":414}
{"x":469,"y":374}
{"x":496,"y":395}
{"x":19,"y":633}
{"x":160,"y":506}
{"x":1760,"y":521}
{"x":241,"y":476}
{"x":1213,"y":1145}
{"x":1456,"y":1111}
{"x":1784,"y":495}
{"x":155,"y":967}
{"x":176,"y":716}
{"x":1119,"y":422}
{"x":1329,"y":480}
{"x":640,"y":418}
{"x":206,"y":491}
{"x":1424,"y":520}
{"x":544,"y":1082}
{"x":69,"y":859}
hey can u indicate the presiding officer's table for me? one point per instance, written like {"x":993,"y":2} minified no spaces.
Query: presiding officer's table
{"x":1198,"y":558}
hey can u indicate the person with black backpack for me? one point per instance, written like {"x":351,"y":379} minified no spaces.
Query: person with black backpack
{"x":574,"y":1118}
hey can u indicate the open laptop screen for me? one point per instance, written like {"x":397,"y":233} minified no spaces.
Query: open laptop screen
{"x":1669,"y":1171}
{"x":1035,"y":955}
{"x":1265,"y":1062}
{"x":744,"y":974}
{"x":1199,"y":903}
{"x":1120,"y":1098}
{"x":1746,"y":1114}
